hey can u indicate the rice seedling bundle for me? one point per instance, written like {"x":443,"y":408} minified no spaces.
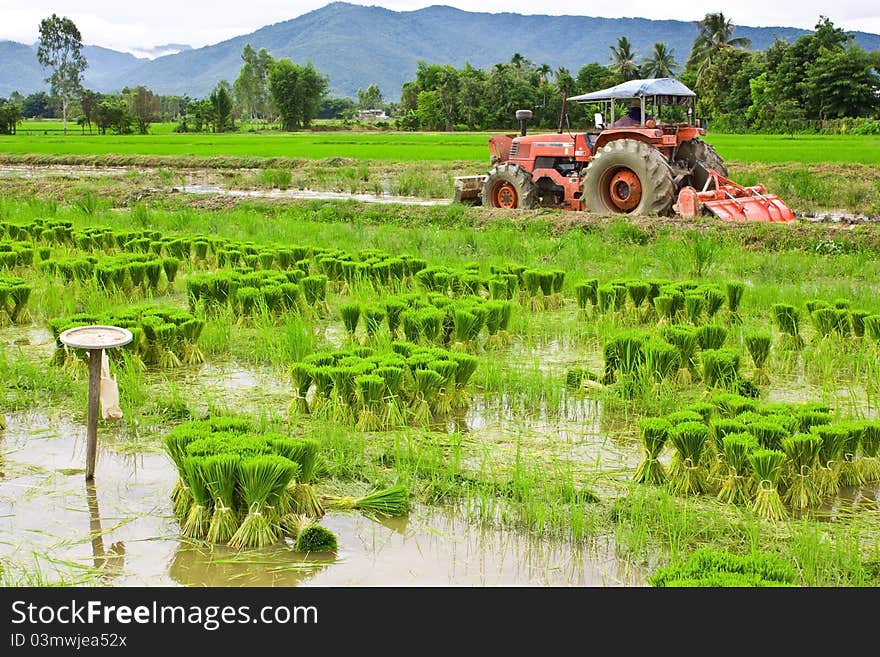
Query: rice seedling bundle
{"x":389,"y":502}
{"x":869,"y":463}
{"x":620,"y":294}
{"x":655,"y":434}
{"x":638,"y":292}
{"x":857,"y":322}
{"x":735,"y":470}
{"x":767,"y":468}
{"x":769,"y":433}
{"x":370,"y":390}
{"x":687,"y":475}
{"x":714,"y":299}
{"x":872,"y":326}
{"x":466,"y":366}
{"x":849,"y":473}
{"x":720,"y":367}
{"x":661,"y":358}
{"x":693,"y":305}
{"x":685,"y":340}
{"x":427,"y":387}
{"x":260,"y":478}
{"x":314,"y":538}
{"x":711,"y":336}
{"x":833,"y":437}
{"x":758,"y":344}
{"x":351,"y":313}
{"x":197,"y":519}
{"x":787,"y":319}
{"x":802,"y":451}
{"x":412,"y":325}
{"x":432,"y":323}
{"x":665,"y":306}
{"x":221,"y":473}
{"x":807,"y":419}
{"x":705,"y":409}
{"x":14,"y":295}
{"x":735,"y":291}
{"x":374,"y":316}
{"x":393,"y":309}
{"x":813,"y":305}
{"x":315,"y":289}
{"x":712,"y":568}
{"x":301,"y":375}
{"x":623,"y":353}
{"x":824,"y":321}
{"x":684,"y":415}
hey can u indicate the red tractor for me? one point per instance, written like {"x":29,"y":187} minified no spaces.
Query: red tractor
{"x":639,"y":164}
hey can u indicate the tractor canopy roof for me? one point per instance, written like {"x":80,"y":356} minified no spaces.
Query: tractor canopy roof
{"x":636,"y":89}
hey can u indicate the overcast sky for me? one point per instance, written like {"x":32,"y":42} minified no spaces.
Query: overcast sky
{"x":130,"y":25}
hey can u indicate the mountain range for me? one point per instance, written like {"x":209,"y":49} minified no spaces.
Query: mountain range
{"x":356,"y":46}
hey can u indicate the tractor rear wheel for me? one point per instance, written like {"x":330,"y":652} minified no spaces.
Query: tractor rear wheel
{"x":510,"y":187}
{"x":697,"y":152}
{"x":628,"y":176}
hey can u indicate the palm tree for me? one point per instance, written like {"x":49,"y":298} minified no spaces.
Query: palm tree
{"x":714,"y":35}
{"x":662,"y":62}
{"x":623,"y":60}
{"x":544,"y":71}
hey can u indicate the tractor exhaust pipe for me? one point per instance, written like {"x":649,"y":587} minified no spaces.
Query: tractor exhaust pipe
{"x":523,"y":116}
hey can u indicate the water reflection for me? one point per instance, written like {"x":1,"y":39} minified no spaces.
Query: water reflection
{"x":111,"y":562}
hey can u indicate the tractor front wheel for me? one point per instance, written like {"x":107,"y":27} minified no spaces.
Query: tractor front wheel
{"x":510,"y":187}
{"x":628,"y":176}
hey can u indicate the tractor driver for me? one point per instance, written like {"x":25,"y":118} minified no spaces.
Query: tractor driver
{"x":633,"y":116}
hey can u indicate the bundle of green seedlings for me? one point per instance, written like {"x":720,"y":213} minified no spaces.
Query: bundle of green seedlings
{"x":813,"y":453}
{"x":79,"y":269}
{"x":39,"y":231}
{"x":123,"y":272}
{"x":162,"y":336}
{"x":16,"y":255}
{"x":374,"y":267}
{"x":437,"y":319}
{"x":245,"y":488}
{"x":376,"y":390}
{"x":541,"y":289}
{"x":14,"y":295}
{"x":249,"y":293}
{"x":707,"y":567}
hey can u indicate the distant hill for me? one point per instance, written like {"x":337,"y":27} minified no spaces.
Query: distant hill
{"x":357,"y":46}
{"x":22,"y":72}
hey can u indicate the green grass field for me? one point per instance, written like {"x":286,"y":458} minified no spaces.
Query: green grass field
{"x":45,"y":137}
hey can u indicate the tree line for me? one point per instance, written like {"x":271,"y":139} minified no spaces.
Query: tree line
{"x":819,"y":79}
{"x":822,"y":79}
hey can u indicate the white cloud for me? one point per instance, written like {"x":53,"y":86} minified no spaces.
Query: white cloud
{"x":139,"y":26}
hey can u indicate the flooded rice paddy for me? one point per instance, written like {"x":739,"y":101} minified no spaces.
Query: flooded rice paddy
{"x":123,"y":526}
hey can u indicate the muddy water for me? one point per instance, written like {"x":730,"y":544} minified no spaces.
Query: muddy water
{"x":123,"y":526}
{"x":307,"y":194}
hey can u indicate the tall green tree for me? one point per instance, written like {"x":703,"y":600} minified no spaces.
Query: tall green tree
{"x":662,"y":62}
{"x":143,"y":106}
{"x":297,"y":92}
{"x":369,"y":98}
{"x":221,"y":104}
{"x":714,"y":35}
{"x":60,"y":49}
{"x":251,"y":88}
{"x":88,"y":101}
{"x":623,"y":59}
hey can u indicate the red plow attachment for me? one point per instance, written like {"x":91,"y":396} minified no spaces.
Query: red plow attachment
{"x":732,"y":202}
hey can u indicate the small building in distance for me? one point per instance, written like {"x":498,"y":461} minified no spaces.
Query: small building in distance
{"x":373,"y":115}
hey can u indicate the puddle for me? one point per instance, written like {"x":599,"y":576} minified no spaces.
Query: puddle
{"x":65,"y":170}
{"x":308,"y":194}
{"x":123,"y":525}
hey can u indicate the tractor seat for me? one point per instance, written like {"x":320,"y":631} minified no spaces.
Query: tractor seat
{"x":591,"y":138}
